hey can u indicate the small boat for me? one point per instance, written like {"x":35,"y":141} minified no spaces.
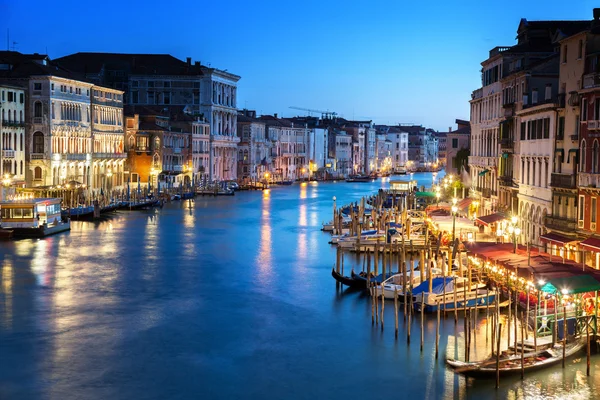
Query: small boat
{"x":287,"y":183}
{"x":175,"y":197}
{"x":359,"y":178}
{"x":363,"y":276}
{"x":476,"y":294}
{"x":393,"y":285}
{"x":512,"y":365}
{"x":351,"y":281}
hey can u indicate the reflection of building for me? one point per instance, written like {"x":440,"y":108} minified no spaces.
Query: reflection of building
{"x":12,"y":126}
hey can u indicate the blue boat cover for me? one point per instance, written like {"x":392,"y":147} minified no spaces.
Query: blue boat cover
{"x":437,"y":286}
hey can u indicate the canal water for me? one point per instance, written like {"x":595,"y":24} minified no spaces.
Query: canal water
{"x":228,"y":297}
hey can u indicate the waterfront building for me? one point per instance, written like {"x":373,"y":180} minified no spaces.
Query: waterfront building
{"x":383,"y":161}
{"x":253,"y":153}
{"x":108,"y":153}
{"x":161,"y":79}
{"x":158,"y":153}
{"x":442,"y":148}
{"x":12,"y":128}
{"x":399,"y":147}
{"x":340,"y":151}
{"x":200,"y":150}
{"x":457,"y":148}
{"x":562,"y":218}
{"x":587,"y":133}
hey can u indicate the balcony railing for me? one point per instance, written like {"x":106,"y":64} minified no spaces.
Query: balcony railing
{"x":508,"y":104}
{"x":591,"y":80}
{"x":109,"y":155}
{"x":589,"y":180}
{"x":13,"y":124}
{"x":562,"y":181}
{"x":507,"y":144}
{"x":37,"y":156}
{"x":38,"y":120}
{"x":574,"y":138}
{"x":486,"y":193}
{"x":505,"y":180}
{"x":593,"y":125}
{"x":8,"y":153}
{"x":74,"y":157}
{"x":560,"y":224}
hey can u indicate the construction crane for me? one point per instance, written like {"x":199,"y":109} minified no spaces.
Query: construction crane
{"x":324,"y":114}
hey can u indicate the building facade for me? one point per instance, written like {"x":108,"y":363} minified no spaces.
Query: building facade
{"x":12,"y":130}
{"x":457,"y":148}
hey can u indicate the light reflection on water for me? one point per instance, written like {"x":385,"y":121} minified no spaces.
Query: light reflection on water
{"x":230,"y":299}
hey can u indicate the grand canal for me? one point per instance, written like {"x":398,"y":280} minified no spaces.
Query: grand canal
{"x":222,"y":298}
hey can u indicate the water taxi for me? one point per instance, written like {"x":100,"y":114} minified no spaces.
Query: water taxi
{"x":33,"y":217}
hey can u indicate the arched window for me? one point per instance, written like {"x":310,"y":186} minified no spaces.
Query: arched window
{"x":37,"y":109}
{"x":595,"y":150}
{"x":38,"y":142}
{"x":21,"y":167}
{"x":156,"y":143}
{"x":22,"y":146}
{"x":21,"y":116}
{"x":131,"y":142}
{"x":37,"y":173}
{"x":582,"y":160}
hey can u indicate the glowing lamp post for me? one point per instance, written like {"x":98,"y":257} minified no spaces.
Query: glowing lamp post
{"x":514,"y":230}
{"x":454,"y":212}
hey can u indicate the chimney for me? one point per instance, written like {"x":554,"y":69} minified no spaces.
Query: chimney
{"x":449,"y":129}
{"x":596,"y":14}
{"x":197,"y":63}
{"x":189,"y":60}
{"x":275,"y":115}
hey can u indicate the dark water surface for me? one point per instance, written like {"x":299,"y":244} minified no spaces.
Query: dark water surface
{"x":231,"y":298}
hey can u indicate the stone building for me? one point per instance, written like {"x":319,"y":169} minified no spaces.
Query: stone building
{"x":457,"y":141}
{"x":12,"y":128}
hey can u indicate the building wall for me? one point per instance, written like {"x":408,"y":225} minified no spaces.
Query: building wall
{"x":454,"y":143}
{"x":12,"y":103}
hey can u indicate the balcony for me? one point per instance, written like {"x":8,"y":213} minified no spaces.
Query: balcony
{"x":575,"y":138}
{"x":13,"y":124}
{"x":109,"y":155}
{"x":37,"y":156}
{"x":505,"y":180}
{"x":563,"y":181}
{"x":589,"y":180}
{"x":508,"y":104}
{"x":507,"y":144}
{"x":486,"y":193}
{"x":573,"y":99}
{"x":591,"y":80}
{"x":74,"y":157}
{"x":593,"y":125}
{"x":8,"y":153}
{"x":560,"y":224}
{"x":177,"y":150}
{"x":38,"y":120}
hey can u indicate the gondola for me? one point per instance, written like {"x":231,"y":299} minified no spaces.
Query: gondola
{"x":351,"y":282}
{"x":512,"y":365}
{"x":377,"y":279}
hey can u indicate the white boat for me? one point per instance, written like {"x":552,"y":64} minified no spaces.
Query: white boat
{"x":367,"y":238}
{"x":393,"y":285}
{"x":438,"y":297}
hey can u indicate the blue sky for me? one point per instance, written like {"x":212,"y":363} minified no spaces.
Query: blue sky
{"x":389,"y":61}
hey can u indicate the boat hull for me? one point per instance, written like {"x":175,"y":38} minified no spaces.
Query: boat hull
{"x":481,"y":300}
{"x":351,"y":281}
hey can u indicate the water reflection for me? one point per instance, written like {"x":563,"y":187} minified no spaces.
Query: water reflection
{"x":264,"y":259}
{"x":7,"y":294}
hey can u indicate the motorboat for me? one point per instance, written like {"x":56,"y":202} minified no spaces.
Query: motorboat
{"x":393,"y":285}
{"x":443,"y":294}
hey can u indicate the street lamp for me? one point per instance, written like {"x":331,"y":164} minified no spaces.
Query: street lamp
{"x":454,"y":211}
{"x":514,"y":230}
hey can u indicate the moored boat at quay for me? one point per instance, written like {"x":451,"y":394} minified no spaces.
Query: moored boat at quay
{"x":33,"y":217}
{"x":394,"y":285}
{"x":450,"y":292}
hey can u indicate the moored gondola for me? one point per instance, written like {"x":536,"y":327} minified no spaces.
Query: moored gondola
{"x":351,"y":282}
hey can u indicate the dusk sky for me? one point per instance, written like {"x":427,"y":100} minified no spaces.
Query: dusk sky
{"x":389,"y":61}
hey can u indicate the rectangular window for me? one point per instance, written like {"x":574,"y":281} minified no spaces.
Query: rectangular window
{"x":593,"y":210}
{"x":548,"y":94}
{"x":134,"y":97}
{"x":151,"y":84}
{"x":564,"y":55}
{"x":37,"y":86}
{"x":546,"y":128}
{"x":577,"y":125}
{"x":580,"y":207}
{"x":52,"y":87}
{"x":10,"y":97}
{"x":523,"y":127}
{"x":584,"y":109}
{"x":455,"y":143}
{"x":580,"y":50}
{"x":561,"y":128}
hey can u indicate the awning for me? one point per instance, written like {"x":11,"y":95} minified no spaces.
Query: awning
{"x":570,"y":285}
{"x":504,"y":155}
{"x":576,"y":156}
{"x":490,"y":219}
{"x":464,"y":203}
{"x":485,"y":171}
{"x":425,"y":194}
{"x":555,"y":238}
{"x":591,"y":243}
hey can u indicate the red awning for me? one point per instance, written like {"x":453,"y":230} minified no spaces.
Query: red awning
{"x":591,"y":243}
{"x":464,"y":203}
{"x":555,"y":238}
{"x":490,"y":219}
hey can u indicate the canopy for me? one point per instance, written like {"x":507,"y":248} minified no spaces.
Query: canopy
{"x":557,"y":239}
{"x":485,"y":171}
{"x":437,"y":286}
{"x":570,"y":285}
{"x":464,"y":203}
{"x":490,"y":219}
{"x":591,"y":243}
{"x":425,"y":194}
